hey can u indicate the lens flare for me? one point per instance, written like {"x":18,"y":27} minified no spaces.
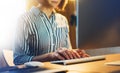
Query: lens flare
{"x":10,"y":11}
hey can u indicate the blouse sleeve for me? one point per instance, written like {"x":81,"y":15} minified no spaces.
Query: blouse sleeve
{"x":20,"y":45}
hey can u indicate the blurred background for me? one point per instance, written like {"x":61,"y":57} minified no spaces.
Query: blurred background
{"x":10,"y":10}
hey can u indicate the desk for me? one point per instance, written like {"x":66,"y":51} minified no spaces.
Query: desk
{"x":88,"y":67}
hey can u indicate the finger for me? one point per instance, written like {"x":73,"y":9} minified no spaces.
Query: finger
{"x":77,"y":54}
{"x":69,"y":54}
{"x":83,"y":51}
{"x":59,"y":56}
{"x":85,"y":55}
{"x":73,"y":54}
{"x":63,"y":53}
{"x":80,"y":52}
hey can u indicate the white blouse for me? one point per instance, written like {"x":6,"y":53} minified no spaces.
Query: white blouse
{"x":37,"y":35}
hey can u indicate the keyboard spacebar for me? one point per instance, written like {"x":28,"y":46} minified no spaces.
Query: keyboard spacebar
{"x":72,"y":61}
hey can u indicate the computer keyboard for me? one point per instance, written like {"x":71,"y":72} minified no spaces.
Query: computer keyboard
{"x":73,"y":61}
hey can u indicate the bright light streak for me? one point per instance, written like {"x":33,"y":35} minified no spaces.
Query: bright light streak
{"x":10,"y":10}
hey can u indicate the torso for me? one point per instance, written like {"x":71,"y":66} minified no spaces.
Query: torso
{"x":45,"y":35}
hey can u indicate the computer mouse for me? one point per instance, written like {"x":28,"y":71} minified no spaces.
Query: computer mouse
{"x":34,"y":64}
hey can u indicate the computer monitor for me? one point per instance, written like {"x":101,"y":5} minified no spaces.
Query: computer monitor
{"x":98,"y":23}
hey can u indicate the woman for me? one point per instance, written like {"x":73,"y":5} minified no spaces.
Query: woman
{"x":42,"y":35}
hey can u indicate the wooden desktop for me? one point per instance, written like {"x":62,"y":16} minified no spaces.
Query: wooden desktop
{"x":88,"y":67}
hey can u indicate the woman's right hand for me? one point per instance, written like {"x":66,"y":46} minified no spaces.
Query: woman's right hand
{"x":61,"y":54}
{"x":65,"y":54}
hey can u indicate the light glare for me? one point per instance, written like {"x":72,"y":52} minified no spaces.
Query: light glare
{"x":10,"y":10}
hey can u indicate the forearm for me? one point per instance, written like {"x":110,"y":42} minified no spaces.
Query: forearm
{"x":21,"y":59}
{"x":44,"y":57}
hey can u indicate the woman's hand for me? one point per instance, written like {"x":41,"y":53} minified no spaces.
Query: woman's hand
{"x":82,"y":53}
{"x":66,"y":54}
{"x":61,"y":54}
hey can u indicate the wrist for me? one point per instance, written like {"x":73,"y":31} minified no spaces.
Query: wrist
{"x":45,"y":57}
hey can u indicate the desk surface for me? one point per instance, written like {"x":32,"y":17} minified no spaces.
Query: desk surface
{"x":90,"y":67}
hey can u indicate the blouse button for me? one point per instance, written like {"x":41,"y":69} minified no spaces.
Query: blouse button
{"x":42,"y":16}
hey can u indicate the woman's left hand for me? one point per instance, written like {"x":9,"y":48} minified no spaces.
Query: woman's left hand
{"x":72,"y":53}
{"x":82,"y":53}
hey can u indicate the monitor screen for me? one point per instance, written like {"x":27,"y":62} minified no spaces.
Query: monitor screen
{"x":98,"y":23}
